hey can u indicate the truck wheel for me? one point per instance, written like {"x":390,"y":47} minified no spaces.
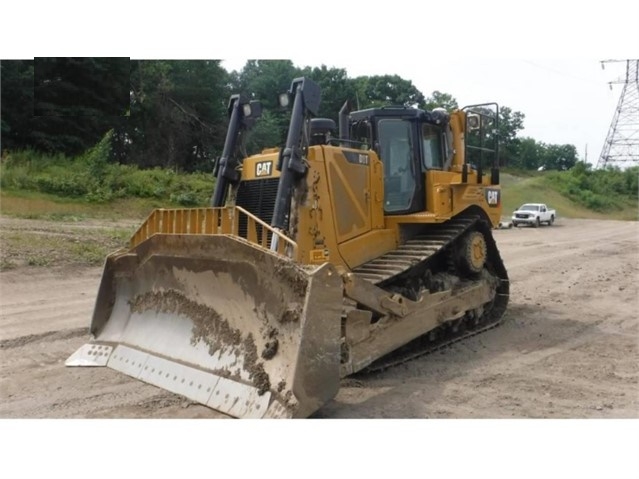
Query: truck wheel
{"x":537,"y":222}
{"x":552,"y":220}
{"x":515,"y":224}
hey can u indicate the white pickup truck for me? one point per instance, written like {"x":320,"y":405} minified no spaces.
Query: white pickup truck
{"x":533,"y":214}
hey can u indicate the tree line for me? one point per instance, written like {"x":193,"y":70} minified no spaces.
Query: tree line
{"x":172,"y":113}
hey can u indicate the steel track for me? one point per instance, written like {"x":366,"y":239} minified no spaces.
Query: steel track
{"x":392,"y":270}
{"x":397,"y":358}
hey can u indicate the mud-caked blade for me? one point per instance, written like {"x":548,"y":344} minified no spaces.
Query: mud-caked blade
{"x":227,"y":324}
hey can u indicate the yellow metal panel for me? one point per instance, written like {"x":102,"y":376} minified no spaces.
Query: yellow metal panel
{"x":466,"y":195}
{"x":200,"y":221}
{"x":251,"y":231}
{"x":226,"y":222}
{"x":262,"y":166}
{"x":349,"y":184}
{"x":425,"y":217}
{"x":267,"y":151}
{"x":368,"y":246}
{"x":169,"y":220}
{"x":457,"y":124}
{"x":264,"y":238}
{"x":209,"y":221}
{"x":164,"y":219}
{"x":439,"y":196}
{"x":194,"y":227}
{"x":154,"y":223}
{"x":319,"y":236}
{"x":377,"y":192}
{"x":316,"y":227}
{"x":184,"y":225}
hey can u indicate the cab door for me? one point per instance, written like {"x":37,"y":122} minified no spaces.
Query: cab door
{"x":403,"y":178}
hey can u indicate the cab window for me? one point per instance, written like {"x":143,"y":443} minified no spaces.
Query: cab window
{"x":432,"y":156}
{"x":395,"y":149}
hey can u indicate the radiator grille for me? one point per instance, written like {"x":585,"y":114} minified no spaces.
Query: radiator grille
{"x":258,"y":198}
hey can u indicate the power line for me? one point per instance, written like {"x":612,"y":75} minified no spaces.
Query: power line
{"x":559,"y":72}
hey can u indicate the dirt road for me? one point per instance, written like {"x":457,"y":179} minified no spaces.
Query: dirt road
{"x":569,"y":347}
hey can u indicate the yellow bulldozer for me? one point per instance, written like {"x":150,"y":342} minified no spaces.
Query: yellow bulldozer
{"x":352,"y":247}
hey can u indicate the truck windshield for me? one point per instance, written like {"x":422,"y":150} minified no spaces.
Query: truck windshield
{"x":529,"y":208}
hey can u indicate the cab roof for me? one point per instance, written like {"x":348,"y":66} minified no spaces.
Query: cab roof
{"x":387,"y":111}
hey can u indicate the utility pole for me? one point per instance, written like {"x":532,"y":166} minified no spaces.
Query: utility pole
{"x":621,"y":147}
{"x":586,"y":154}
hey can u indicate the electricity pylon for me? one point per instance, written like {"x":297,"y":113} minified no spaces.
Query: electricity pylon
{"x":621,"y":147}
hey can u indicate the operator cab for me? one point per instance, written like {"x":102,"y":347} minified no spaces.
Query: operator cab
{"x":409,"y":142}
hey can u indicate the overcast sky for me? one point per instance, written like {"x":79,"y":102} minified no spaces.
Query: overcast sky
{"x":539,"y":57}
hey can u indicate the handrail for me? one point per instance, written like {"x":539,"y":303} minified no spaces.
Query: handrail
{"x":212,"y":221}
{"x":266,"y":228}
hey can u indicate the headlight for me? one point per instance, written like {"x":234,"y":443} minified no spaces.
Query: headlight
{"x":284,"y":100}
{"x":473,"y":121}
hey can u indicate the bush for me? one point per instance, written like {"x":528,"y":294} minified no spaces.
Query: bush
{"x":600,"y":190}
{"x":93,"y":178}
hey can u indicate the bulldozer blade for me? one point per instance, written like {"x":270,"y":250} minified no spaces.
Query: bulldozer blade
{"x":221,"y":321}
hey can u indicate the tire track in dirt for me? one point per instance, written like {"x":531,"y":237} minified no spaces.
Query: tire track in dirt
{"x":39,"y":300}
{"x":568,"y":347}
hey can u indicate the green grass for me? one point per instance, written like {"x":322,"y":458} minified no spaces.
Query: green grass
{"x":537,"y":188}
{"x":58,"y":244}
{"x":78,"y":190}
{"x":44,"y":206}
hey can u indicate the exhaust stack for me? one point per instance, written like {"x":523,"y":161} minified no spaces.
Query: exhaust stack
{"x":343,"y":121}
{"x":305,"y":94}
{"x":242,"y":114}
